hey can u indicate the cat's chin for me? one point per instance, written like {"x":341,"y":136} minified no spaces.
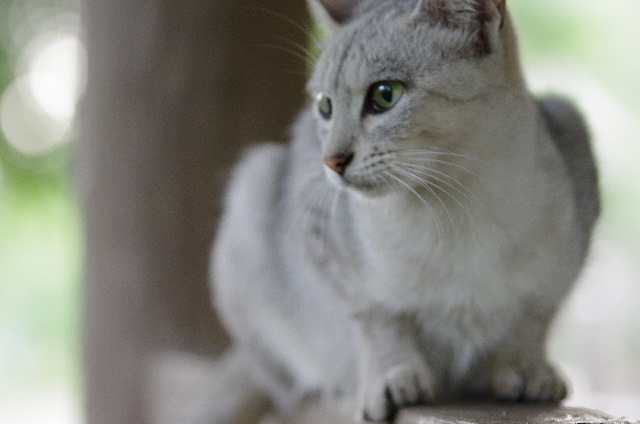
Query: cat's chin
{"x":369,"y":192}
{"x":358,"y":186}
{"x":360,"y":189}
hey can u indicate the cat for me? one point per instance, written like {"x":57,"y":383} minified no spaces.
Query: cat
{"x":415,"y":239}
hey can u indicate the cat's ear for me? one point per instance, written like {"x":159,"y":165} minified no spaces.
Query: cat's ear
{"x":484,"y":16}
{"x":331,"y":14}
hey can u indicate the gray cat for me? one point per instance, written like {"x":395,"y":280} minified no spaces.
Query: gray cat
{"x":416,"y":238}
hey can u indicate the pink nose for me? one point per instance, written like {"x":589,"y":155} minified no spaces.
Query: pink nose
{"x":338,"y":163}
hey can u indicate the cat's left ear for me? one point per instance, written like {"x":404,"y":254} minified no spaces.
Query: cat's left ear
{"x":332,"y":14}
{"x":492,"y":17}
{"x":489,"y":15}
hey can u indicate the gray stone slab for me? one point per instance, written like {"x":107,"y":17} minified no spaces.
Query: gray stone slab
{"x":503,"y":413}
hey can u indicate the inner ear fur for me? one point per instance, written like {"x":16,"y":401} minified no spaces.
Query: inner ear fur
{"x":491,"y":21}
{"x":331,"y":14}
{"x":487,"y":16}
{"x":339,"y":10}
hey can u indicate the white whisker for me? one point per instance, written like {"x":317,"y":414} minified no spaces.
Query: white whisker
{"x":428,"y":186}
{"x":438,"y":161}
{"x":336,"y":200}
{"x":294,"y":53}
{"x":295,"y":24}
{"x":433,"y":174}
{"x":442,"y":152}
{"x":297,"y":46}
{"x":421,"y":199}
{"x":434,"y":179}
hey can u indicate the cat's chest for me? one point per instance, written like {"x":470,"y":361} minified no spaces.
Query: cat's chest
{"x":413,"y":258}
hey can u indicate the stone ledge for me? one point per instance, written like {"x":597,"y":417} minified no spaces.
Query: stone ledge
{"x":502,"y":413}
{"x":462,"y":413}
{"x":175,"y":379}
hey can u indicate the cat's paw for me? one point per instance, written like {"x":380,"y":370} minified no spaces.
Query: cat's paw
{"x":402,"y":385}
{"x":537,"y":383}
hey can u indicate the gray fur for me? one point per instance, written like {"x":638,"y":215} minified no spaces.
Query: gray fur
{"x":571,"y":136}
{"x":432,"y":268}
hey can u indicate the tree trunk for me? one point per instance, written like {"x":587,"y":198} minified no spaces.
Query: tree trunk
{"x":176,"y":88}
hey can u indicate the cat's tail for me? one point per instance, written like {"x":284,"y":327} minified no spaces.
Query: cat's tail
{"x":230,"y":396}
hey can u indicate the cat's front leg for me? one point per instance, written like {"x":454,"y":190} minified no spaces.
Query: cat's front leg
{"x":394,"y":373}
{"x":521,"y":371}
{"x":532,"y":382}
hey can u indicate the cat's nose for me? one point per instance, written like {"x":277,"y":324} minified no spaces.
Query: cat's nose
{"x":339,"y":163}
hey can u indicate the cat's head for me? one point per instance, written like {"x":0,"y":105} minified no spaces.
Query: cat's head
{"x":399,"y":84}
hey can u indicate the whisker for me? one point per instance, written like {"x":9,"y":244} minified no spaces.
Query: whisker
{"x":299,"y":47}
{"x":295,"y":24}
{"x":433,"y":174}
{"x":296,"y":73}
{"x":461,"y":189}
{"x":383,"y":177}
{"x":421,"y":199}
{"x":421,"y":171}
{"x":336,"y":200}
{"x":458,"y":202}
{"x":434,"y":150}
{"x":427,"y":156}
{"x":294,"y":53}
{"x":443,"y":162}
{"x":428,"y":186}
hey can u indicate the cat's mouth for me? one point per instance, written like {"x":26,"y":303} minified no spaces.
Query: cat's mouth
{"x":367,"y":176}
{"x":366,"y":187}
{"x":365,"y":184}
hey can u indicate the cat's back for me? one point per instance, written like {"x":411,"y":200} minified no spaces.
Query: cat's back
{"x":255,"y":185}
{"x":244,"y":243}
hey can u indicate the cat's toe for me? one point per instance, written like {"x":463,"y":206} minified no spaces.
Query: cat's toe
{"x":409,"y":386}
{"x":539,"y":383}
{"x":402,"y":385}
{"x":377,"y":406}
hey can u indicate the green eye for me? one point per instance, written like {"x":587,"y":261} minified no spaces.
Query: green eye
{"x":382,"y":96}
{"x":324,"y":105}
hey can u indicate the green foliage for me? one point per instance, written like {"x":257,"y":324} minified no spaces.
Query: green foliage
{"x":40,"y":241}
{"x":39,"y":275}
{"x":601,"y":37}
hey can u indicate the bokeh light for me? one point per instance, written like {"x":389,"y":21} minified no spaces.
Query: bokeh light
{"x":55,"y":74}
{"x":38,"y":108}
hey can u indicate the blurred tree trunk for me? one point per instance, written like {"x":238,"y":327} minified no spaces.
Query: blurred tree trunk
{"x":176,"y":88}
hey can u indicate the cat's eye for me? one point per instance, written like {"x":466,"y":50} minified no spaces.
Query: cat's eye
{"x":324,"y":105}
{"x":382,"y":96}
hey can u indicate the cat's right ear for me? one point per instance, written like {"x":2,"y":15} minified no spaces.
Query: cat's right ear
{"x":332,"y":14}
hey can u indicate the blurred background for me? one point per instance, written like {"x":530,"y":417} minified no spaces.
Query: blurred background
{"x":41,"y":59}
{"x":582,"y":48}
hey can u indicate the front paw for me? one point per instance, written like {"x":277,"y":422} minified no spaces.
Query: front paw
{"x":534,"y":383}
{"x":401,"y":385}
